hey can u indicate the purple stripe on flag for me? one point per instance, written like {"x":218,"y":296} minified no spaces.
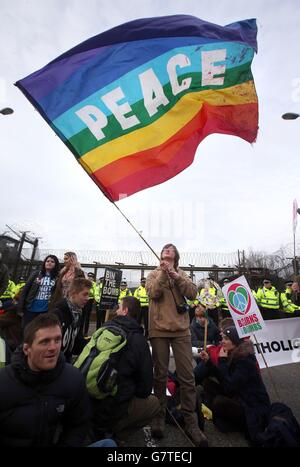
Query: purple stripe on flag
{"x":50,"y":78}
{"x":142,"y":29}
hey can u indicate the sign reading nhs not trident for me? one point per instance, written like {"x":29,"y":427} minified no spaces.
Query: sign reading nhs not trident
{"x":243,"y":308}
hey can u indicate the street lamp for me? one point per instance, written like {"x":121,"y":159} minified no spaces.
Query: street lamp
{"x":290,"y":116}
{"x":6,"y":111}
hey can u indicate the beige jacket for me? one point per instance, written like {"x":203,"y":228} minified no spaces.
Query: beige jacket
{"x":164,"y":320}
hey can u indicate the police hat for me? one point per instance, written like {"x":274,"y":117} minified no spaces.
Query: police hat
{"x":288,"y":282}
{"x":267,"y":279}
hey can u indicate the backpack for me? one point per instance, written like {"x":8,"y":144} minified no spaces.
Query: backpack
{"x":98,"y":360}
{"x":283,"y":429}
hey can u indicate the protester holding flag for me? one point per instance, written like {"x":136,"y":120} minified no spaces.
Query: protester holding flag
{"x":169,"y":325}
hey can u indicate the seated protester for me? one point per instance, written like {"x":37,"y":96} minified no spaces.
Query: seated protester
{"x":201,"y":370}
{"x":197,"y":328}
{"x":133,"y":406}
{"x":239,"y":400}
{"x":43,"y":399}
{"x":69,"y":312}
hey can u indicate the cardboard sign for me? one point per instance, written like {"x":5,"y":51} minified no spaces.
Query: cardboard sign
{"x":243,"y":308}
{"x":111,"y":288}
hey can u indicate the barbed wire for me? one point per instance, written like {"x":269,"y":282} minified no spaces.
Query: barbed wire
{"x":134,"y":257}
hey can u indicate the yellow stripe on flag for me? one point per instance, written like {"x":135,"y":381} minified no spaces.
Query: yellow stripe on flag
{"x":169,"y":124}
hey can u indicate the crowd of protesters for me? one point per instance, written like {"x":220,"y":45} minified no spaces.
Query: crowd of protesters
{"x":44,"y":327}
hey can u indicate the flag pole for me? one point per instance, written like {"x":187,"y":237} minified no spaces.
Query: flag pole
{"x":139,"y":234}
{"x":295,"y":264}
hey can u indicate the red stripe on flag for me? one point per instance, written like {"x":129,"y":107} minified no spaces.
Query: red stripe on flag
{"x":158,"y":164}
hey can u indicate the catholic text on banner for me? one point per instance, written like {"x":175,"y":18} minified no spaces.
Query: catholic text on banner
{"x":133,"y":103}
{"x":243,"y":308}
{"x":279,"y":342}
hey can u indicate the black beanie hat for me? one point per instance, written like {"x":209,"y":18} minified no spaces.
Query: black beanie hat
{"x":232,"y":334}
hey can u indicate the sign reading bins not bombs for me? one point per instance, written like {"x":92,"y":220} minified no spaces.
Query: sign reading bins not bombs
{"x":111,"y":288}
{"x":243,"y":308}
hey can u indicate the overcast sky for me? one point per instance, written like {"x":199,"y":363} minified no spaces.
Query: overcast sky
{"x":234,"y":196}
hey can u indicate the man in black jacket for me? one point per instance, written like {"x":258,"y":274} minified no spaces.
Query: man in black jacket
{"x":133,"y":406}
{"x":43,"y":399}
{"x":69,"y":312}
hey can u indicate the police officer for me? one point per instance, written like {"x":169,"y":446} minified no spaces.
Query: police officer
{"x":141,"y":294}
{"x":288,"y":306}
{"x":7,"y":297}
{"x":223,"y":304}
{"x":124,"y":291}
{"x":86,"y":312}
{"x":267,"y":298}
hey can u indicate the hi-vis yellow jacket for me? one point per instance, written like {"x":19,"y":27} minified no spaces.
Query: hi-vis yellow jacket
{"x":268,"y":298}
{"x":287,"y":305}
{"x":141,"y":294}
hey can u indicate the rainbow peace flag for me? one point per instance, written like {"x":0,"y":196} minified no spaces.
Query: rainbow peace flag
{"x":133,"y":103}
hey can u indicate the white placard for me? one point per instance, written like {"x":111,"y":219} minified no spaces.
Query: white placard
{"x":279,"y":342}
{"x":243,"y":308}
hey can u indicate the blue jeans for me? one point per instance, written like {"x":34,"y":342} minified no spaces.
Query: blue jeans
{"x":103,"y":443}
